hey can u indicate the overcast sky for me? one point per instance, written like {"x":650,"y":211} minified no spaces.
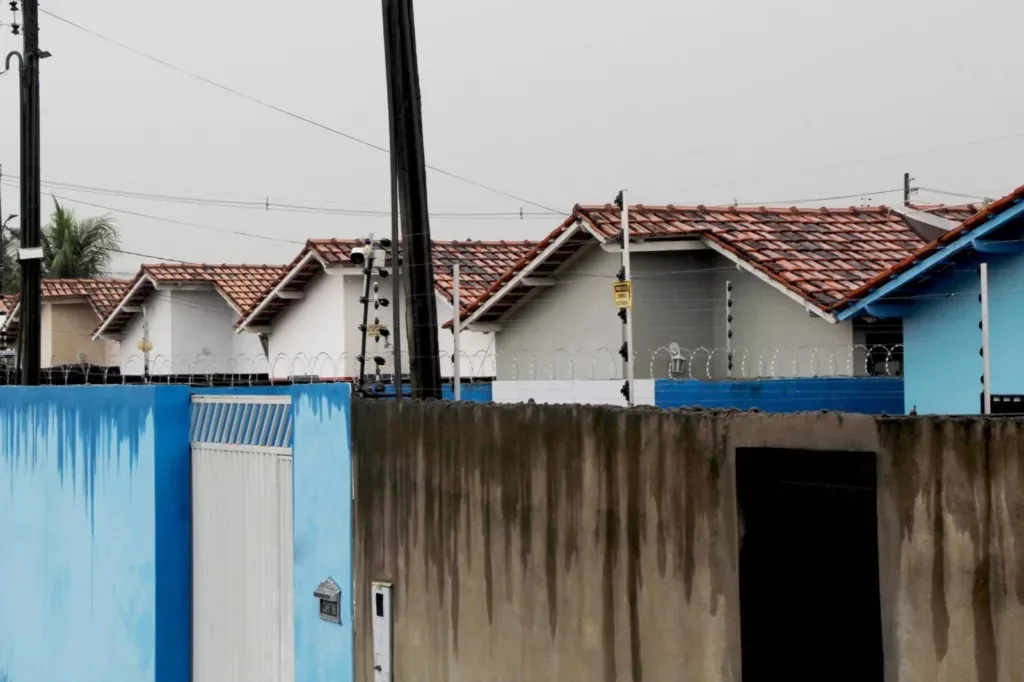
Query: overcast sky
{"x":556,"y":101}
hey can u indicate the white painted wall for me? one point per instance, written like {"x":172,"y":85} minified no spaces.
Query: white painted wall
{"x":158,"y":315}
{"x":319,"y":334}
{"x":571,"y":331}
{"x":773,"y":335}
{"x":600,"y":392}
{"x":308,"y":337}
{"x":191,"y":332}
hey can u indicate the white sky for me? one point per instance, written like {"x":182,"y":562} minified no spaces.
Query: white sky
{"x":558,"y":101}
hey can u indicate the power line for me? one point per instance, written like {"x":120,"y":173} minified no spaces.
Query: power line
{"x":172,"y":221}
{"x":286,"y":112}
{"x":266,"y":205}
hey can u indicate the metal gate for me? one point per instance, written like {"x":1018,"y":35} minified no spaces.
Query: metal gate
{"x":242,"y":564}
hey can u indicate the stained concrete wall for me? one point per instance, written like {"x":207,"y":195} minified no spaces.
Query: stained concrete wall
{"x":531,"y":542}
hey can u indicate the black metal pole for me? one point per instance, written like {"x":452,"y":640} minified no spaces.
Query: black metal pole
{"x":31,"y":256}
{"x":906,"y":189}
{"x":424,"y":360}
{"x":396,"y":242}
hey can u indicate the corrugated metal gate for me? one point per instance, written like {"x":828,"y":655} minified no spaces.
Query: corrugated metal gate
{"x":242,"y":564}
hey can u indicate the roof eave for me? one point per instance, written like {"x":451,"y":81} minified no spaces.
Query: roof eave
{"x":570,"y":228}
{"x":98,"y":334}
{"x":851,"y":307}
{"x":242,"y":325}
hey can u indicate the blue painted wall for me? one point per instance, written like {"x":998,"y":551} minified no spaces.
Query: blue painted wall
{"x":322,"y":509}
{"x":942,"y":339}
{"x":865,"y":395}
{"x":95,"y":575}
{"x":322,"y":479}
{"x":474,"y":392}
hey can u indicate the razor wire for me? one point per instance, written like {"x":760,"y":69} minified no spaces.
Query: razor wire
{"x":702,"y":363}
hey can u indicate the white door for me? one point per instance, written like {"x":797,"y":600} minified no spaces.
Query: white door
{"x":242,"y":584}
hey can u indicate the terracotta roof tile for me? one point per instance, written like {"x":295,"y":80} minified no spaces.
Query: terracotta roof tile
{"x":977,"y":217}
{"x":240,"y":285}
{"x":481,"y":264}
{"x":821,"y":254}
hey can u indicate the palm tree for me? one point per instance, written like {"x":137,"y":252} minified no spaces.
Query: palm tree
{"x":72,"y":247}
{"x":78,"y":247}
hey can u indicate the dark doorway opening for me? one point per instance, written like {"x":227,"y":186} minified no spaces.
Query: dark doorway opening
{"x":810,"y":605}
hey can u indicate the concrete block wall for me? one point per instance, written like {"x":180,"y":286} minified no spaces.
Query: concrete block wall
{"x":536,"y":542}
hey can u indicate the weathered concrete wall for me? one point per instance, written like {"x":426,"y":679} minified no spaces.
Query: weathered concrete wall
{"x":535,"y":542}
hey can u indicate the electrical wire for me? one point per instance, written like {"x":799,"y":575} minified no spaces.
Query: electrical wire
{"x":267,"y":205}
{"x":286,"y":112}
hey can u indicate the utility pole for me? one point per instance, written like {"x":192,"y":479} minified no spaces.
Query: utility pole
{"x":906,"y":189}
{"x":396,"y":241}
{"x":456,"y":357}
{"x":407,"y":150}
{"x":30,"y":254}
{"x":623,"y":289}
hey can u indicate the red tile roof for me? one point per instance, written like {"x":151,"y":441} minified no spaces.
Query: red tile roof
{"x":821,"y":254}
{"x":977,"y":219}
{"x":481,"y":263}
{"x":8,"y":303}
{"x":102,"y":294}
{"x":240,"y":285}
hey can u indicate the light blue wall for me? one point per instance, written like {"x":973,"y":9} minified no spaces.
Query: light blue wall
{"x":322,"y":476}
{"x":95,"y":564}
{"x":865,"y":395}
{"x":942,"y":339}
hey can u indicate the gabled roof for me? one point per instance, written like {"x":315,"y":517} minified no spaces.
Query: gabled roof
{"x":101,"y":294}
{"x":815,"y":255}
{"x":8,"y":303}
{"x":480,"y":264}
{"x":240,"y":285}
{"x":933,"y":254}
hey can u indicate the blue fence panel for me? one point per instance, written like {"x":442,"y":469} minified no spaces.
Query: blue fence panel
{"x":865,"y":395}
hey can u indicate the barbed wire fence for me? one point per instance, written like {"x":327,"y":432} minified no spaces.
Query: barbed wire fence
{"x":560,"y":364}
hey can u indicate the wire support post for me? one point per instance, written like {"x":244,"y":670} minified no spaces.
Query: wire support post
{"x":369,"y":256}
{"x":623,"y":296}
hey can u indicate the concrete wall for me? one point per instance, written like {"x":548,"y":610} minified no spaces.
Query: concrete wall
{"x":942,"y":339}
{"x":679,"y":296}
{"x":67,"y":330}
{"x":536,"y":542}
{"x":95,"y":530}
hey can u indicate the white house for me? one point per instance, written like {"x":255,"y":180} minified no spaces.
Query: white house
{"x":311,"y":315}
{"x":179,"y":319}
{"x":783,"y":270}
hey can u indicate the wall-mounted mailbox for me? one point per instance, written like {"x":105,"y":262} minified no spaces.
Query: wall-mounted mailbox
{"x":329,"y":595}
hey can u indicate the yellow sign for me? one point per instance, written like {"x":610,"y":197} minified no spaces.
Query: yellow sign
{"x":145,"y":346}
{"x":373,"y":330}
{"x":623,"y":294}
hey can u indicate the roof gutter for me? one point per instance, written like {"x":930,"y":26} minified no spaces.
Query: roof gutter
{"x":98,"y":334}
{"x":241,"y":326}
{"x":781,"y":288}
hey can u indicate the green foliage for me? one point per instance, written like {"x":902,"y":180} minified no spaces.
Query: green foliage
{"x":72,"y":247}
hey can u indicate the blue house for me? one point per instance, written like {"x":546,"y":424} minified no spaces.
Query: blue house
{"x":937,"y":293}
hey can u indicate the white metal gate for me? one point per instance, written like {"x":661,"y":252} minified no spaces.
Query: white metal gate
{"x":242,"y":565}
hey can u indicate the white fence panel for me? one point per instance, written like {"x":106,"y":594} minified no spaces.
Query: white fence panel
{"x":242,"y":547}
{"x":592,"y":392}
